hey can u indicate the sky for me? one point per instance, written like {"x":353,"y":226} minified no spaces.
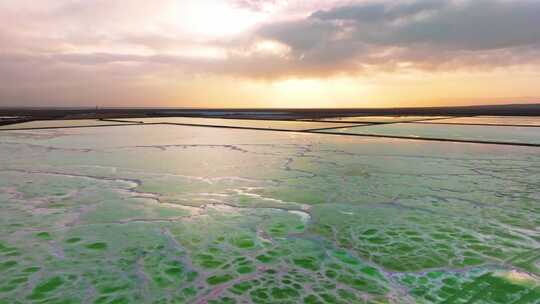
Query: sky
{"x":269,"y":53}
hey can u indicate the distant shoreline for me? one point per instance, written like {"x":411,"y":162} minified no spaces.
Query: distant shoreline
{"x":25,"y":113}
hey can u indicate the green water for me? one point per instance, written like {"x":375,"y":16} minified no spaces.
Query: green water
{"x":174,"y":214}
{"x":527,"y":135}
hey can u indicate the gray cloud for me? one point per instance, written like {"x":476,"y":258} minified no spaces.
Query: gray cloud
{"x":380,"y":12}
{"x":478,"y":24}
{"x":426,"y":33}
{"x":301,"y":35}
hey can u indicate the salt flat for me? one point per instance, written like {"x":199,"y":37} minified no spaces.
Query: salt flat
{"x":181,"y":214}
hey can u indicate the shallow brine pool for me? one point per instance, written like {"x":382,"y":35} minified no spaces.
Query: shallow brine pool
{"x":179,"y":214}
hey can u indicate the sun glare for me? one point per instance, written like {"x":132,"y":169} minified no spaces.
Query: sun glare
{"x":272,"y":47}
{"x":211,"y":18}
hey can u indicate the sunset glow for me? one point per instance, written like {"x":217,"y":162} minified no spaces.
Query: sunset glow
{"x":269,"y":53}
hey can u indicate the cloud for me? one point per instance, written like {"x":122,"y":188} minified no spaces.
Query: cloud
{"x":473,"y":25}
{"x":258,"y":5}
{"x":373,"y":12}
{"x":425,"y":34}
{"x":59,"y":43}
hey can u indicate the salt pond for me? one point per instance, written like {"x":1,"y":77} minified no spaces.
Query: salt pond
{"x":178,"y":214}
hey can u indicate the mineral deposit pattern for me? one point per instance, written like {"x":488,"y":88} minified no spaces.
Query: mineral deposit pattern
{"x":182,"y":214}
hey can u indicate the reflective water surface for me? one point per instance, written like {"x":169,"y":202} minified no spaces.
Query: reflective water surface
{"x":246,"y":123}
{"x":59,"y":124}
{"x":177,"y":214}
{"x":512,"y":120}
{"x":460,"y":132}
